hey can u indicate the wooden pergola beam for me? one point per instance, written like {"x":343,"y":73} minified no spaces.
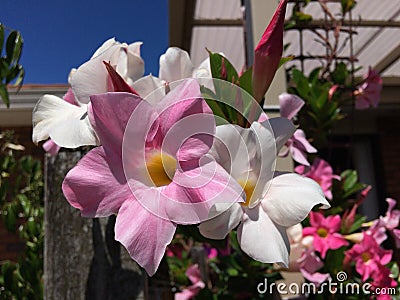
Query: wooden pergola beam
{"x":388,"y":60}
{"x":218,"y":22}
{"x":322,"y":24}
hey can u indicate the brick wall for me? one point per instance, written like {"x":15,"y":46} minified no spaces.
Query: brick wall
{"x":10,"y":244}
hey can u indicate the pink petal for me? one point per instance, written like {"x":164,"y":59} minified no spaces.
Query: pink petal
{"x":290,"y":105}
{"x":316,"y":277}
{"x":70,"y":97}
{"x":184,"y":100}
{"x":188,"y":199}
{"x":190,"y":138}
{"x":143,"y":234}
{"x":193,"y":273}
{"x":300,"y":137}
{"x":299,"y":156}
{"x":93,"y":188}
{"x":51,"y":147}
{"x":109,"y":114}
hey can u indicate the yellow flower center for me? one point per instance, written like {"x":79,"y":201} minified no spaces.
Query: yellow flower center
{"x":161,"y":167}
{"x":322,"y":232}
{"x":248,"y":188}
{"x":365,"y":257}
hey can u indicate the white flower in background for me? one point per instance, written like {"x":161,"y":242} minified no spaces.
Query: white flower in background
{"x":175,"y":64}
{"x":68,"y":124}
{"x":274,"y":201}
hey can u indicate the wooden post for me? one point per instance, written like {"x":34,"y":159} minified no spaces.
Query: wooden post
{"x":81,"y":258}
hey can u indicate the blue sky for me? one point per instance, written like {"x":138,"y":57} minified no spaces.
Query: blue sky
{"x":59,"y":35}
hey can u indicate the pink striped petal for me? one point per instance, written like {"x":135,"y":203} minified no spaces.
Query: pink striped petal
{"x":93,"y":188}
{"x":109,"y":114}
{"x":143,"y":234}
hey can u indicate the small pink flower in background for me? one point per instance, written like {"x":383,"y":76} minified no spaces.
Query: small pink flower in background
{"x":325,"y":232}
{"x":389,"y":222}
{"x":368,"y":93}
{"x":174,"y":250}
{"x":392,"y":218}
{"x":268,"y":53}
{"x":194,"y":275}
{"x":383,"y":280}
{"x":297,"y":145}
{"x":210,"y":252}
{"x":321,"y":172}
{"x":309,"y":264}
{"x":369,"y":257}
{"x":332,"y":91}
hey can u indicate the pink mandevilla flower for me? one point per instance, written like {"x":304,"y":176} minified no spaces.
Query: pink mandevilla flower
{"x":325,"y":232}
{"x":369,"y":93}
{"x":297,"y":145}
{"x":369,"y":257}
{"x":321,"y":172}
{"x":193,"y":273}
{"x":139,"y":172}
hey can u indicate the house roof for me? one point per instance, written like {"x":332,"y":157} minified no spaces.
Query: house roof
{"x":219,"y":26}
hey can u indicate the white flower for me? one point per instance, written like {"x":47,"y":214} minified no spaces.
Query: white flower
{"x":175,"y":64}
{"x":67,"y":123}
{"x":274,"y":201}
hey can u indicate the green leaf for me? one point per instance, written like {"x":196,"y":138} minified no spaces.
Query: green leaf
{"x":394,"y":269}
{"x":350,"y":178}
{"x":13,"y":73}
{"x":302,"y":17}
{"x":20,"y":79}
{"x":1,"y":38}
{"x":10,"y":44}
{"x":4,"y":94}
{"x":216,"y":62}
{"x":302,"y":84}
{"x":314,"y":75}
{"x":245,"y":80}
{"x":347,"y":5}
{"x":357,"y":223}
{"x":340,"y":74}
{"x":285,"y":59}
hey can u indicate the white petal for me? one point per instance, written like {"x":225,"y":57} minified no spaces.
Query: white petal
{"x":104,"y":47}
{"x":67,"y":124}
{"x":175,"y":64}
{"x":234,"y":148}
{"x":91,"y":78}
{"x":135,"y":66}
{"x":291,"y":197}
{"x":203,"y":70}
{"x":262,"y":239}
{"x":264,"y":160}
{"x":150,"y":88}
{"x":226,"y":218}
